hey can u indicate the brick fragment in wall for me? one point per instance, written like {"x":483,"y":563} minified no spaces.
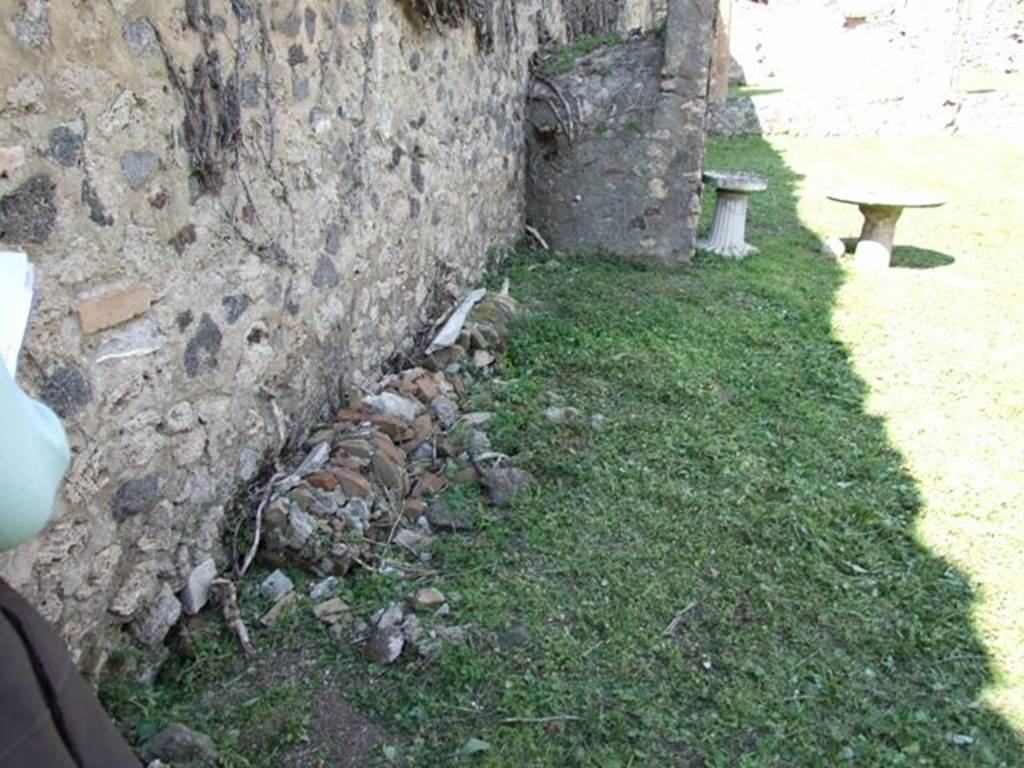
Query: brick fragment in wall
{"x":113,"y":308}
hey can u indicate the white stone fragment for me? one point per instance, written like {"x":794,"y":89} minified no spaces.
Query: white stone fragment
{"x":152,"y":627}
{"x":833,"y":248}
{"x":324,"y":588}
{"x":276,"y":586}
{"x":197,"y":586}
{"x":395,"y":406}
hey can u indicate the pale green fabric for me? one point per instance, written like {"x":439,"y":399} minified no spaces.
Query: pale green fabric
{"x":33,"y":458}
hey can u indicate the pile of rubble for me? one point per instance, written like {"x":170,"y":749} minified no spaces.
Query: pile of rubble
{"x":368,"y":493}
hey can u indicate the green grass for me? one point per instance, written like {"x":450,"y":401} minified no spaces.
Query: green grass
{"x":563,"y":58}
{"x":752,"y":90}
{"x":813,"y":473}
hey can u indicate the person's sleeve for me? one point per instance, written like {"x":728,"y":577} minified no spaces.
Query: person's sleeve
{"x":33,"y":458}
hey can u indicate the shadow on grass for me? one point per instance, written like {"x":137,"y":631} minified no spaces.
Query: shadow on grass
{"x":911,"y":257}
{"x":727,"y":573}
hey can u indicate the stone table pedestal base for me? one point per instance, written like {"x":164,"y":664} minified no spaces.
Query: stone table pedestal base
{"x":874,"y":248}
{"x":881,"y":210}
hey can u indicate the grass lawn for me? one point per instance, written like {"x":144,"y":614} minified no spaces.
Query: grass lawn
{"x":791,"y":543}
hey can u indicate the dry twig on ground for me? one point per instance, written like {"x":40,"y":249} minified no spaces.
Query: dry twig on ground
{"x":227,"y":595}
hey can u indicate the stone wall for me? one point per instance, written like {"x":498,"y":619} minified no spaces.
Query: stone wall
{"x":236,"y":209}
{"x":617,"y":144}
{"x":848,"y":67}
{"x":594,"y":17}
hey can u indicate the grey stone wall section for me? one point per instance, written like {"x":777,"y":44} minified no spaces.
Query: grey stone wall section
{"x":619,"y":169}
{"x":169,"y":146}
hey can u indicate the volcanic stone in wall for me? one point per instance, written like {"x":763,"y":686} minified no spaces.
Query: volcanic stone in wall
{"x":28,"y":214}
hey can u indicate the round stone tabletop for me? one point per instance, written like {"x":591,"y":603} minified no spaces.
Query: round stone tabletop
{"x":888,"y":198}
{"x":736,"y":181}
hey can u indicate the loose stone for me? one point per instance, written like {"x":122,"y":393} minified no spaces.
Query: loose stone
{"x":178,"y":745}
{"x":446,"y":410}
{"x":278,"y":610}
{"x":561,"y":415}
{"x":385,"y":645}
{"x":153,"y":626}
{"x":352,"y":483}
{"x":412,"y":540}
{"x":428,"y":598}
{"x":276,"y":586}
{"x":443,"y":518}
{"x":197,"y":587}
{"x":392,"y":405}
{"x":324,"y":588}
{"x":503,"y":484}
{"x":331,"y":610}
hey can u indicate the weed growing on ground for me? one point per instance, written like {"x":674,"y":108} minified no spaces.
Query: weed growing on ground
{"x":564,"y":57}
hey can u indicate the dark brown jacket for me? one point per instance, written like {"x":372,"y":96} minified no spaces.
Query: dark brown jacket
{"x":49,"y":716}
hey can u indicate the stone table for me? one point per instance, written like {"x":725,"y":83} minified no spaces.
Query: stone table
{"x":881,"y":209}
{"x":728,"y":228}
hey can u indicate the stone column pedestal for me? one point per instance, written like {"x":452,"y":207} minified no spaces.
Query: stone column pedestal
{"x":729,"y":226}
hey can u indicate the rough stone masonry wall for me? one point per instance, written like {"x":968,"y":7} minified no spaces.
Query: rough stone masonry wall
{"x":616,"y":145}
{"x":236,"y":209}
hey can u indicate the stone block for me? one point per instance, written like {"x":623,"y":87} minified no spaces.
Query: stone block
{"x":197,"y":586}
{"x":178,"y":745}
{"x":154,"y":624}
{"x":276,"y":586}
